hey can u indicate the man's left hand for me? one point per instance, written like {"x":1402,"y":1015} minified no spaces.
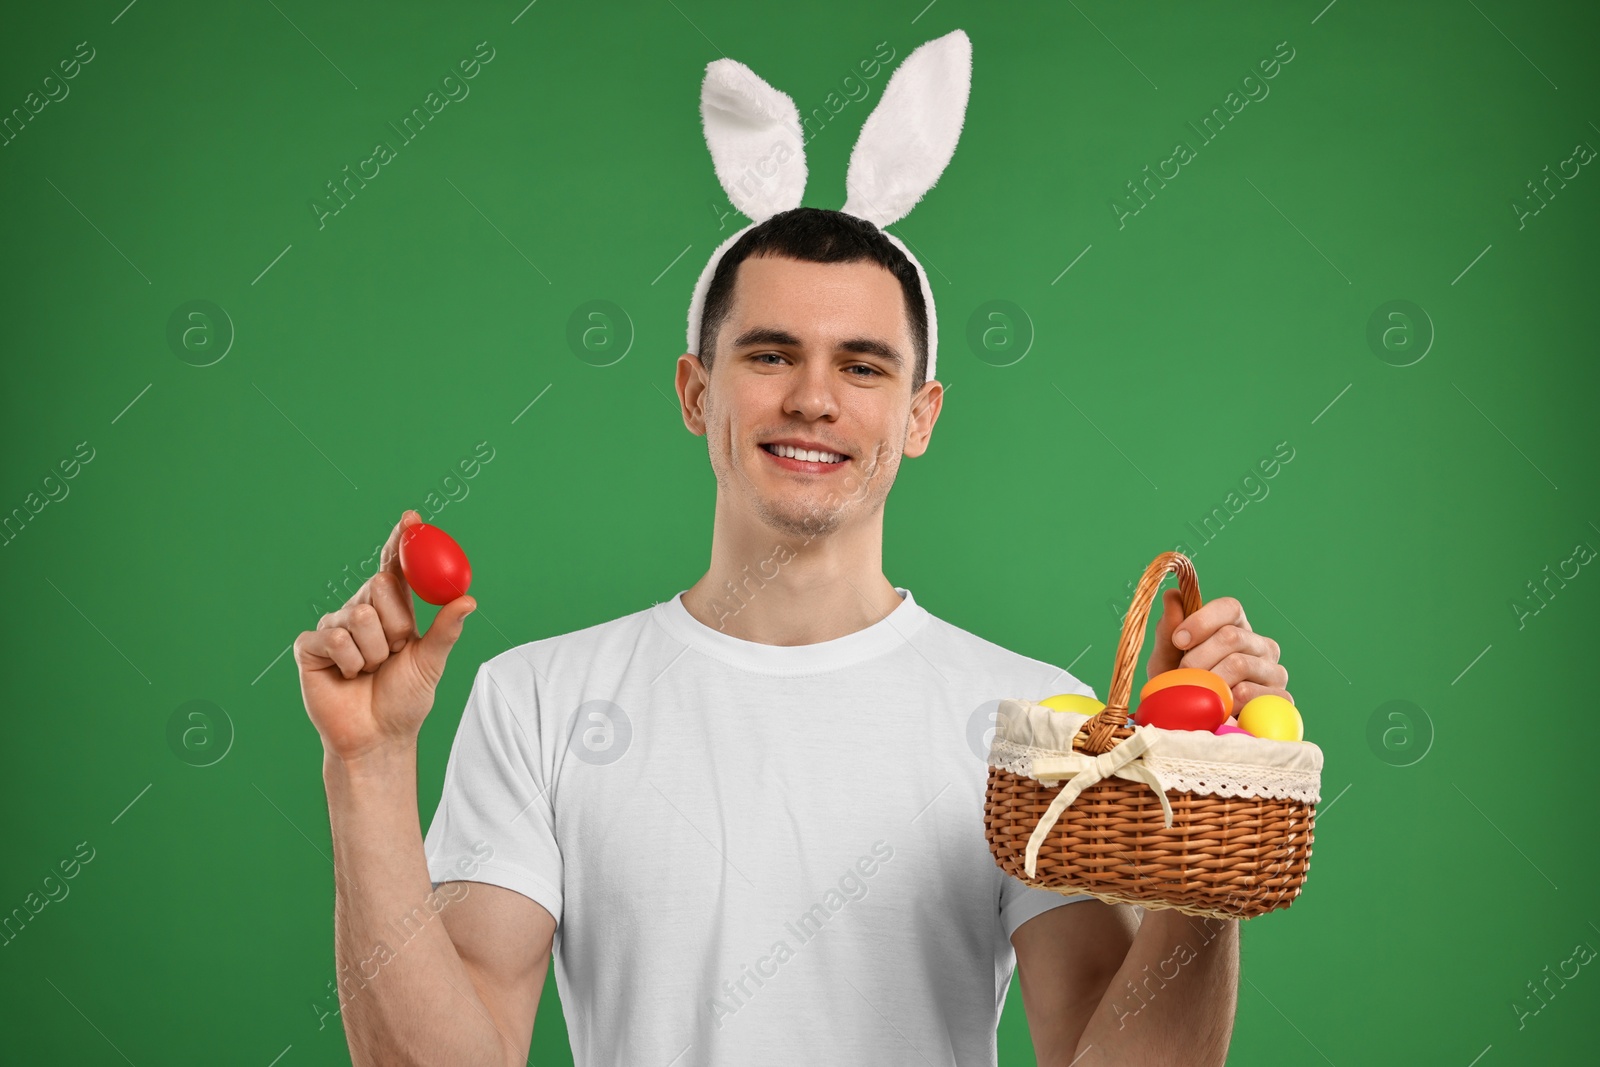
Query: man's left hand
{"x":1218,"y":638}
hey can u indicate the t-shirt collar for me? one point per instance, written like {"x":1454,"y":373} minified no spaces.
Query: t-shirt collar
{"x":890,"y":632}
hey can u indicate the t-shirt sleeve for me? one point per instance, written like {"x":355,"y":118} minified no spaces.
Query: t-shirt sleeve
{"x":1020,"y":902}
{"x":495,"y":822}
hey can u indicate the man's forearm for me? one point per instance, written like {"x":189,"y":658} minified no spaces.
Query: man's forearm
{"x":1172,"y":1001}
{"x":404,"y":994}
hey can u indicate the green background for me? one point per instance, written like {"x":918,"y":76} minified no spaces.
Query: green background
{"x":371,"y":355}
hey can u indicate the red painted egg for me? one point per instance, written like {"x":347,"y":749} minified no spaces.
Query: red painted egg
{"x":1182,"y":707}
{"x":434,"y":564}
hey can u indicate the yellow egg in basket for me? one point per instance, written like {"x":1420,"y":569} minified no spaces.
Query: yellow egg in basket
{"x":1073,"y":702}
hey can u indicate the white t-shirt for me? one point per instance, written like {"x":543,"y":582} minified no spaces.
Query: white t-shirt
{"x":754,"y":853}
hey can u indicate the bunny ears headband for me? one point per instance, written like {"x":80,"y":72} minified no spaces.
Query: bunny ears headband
{"x":755,"y":137}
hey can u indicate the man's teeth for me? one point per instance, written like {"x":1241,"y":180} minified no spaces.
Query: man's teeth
{"x":811,"y":457}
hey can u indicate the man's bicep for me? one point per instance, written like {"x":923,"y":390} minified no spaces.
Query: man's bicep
{"x":503,"y":938}
{"x":1066,"y":958}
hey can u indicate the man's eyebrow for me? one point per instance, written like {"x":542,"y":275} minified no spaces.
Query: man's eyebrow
{"x":773,"y":335}
{"x":872,"y":347}
{"x":766,"y":335}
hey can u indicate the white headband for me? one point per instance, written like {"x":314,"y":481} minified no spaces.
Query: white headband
{"x":757,"y":146}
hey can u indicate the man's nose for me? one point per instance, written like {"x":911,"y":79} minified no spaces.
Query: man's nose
{"x":812,"y":393}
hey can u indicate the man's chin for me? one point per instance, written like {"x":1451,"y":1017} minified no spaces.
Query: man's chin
{"x":795,"y":519}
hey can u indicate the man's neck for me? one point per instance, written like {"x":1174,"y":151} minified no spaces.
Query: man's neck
{"x":777,"y":589}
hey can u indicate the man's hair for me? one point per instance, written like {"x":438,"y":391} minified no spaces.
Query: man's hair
{"x":816,"y":235}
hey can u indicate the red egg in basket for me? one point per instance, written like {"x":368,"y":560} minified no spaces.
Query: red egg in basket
{"x":1182,"y":707}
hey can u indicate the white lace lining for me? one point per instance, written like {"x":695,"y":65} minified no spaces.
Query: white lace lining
{"x":1230,"y":765}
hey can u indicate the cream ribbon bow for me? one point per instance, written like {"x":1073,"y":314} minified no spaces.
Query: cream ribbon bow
{"x":1122,"y":761}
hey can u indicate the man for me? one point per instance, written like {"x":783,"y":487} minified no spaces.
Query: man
{"x":748,"y":820}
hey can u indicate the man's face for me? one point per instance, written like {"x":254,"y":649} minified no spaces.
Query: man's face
{"x":806,"y":354}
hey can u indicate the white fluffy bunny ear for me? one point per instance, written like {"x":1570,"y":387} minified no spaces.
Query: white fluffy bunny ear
{"x":754,"y":134}
{"x":910,"y":136}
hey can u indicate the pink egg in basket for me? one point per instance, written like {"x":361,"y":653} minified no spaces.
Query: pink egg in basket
{"x":1230,"y":728}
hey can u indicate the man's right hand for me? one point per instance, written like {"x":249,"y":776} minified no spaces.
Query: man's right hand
{"x":367,"y":676}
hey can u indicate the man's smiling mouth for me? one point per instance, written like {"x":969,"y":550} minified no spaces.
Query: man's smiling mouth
{"x":807,"y":461}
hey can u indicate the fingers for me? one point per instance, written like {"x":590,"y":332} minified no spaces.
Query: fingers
{"x":397,"y":615}
{"x":1163,"y":655}
{"x":1228,"y":639}
{"x":332,"y":648}
{"x":351,"y":638}
{"x":1171,"y":614}
{"x":434,"y":648}
{"x":1221,"y":641}
{"x":389,"y":558}
{"x":1245,"y":692}
{"x":378,"y":621}
{"x":1212,"y":617}
{"x":355,"y":640}
{"x":361,"y":620}
{"x":1241,"y":668}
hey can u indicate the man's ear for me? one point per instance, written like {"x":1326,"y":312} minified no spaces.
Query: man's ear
{"x":925,"y":408}
{"x":692,"y":382}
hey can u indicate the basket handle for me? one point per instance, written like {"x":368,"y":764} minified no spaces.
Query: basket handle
{"x":1110,"y":726}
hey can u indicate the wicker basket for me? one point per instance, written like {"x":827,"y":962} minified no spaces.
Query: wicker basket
{"x":1210,"y":825}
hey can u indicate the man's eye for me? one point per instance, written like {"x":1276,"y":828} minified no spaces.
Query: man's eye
{"x":871,"y":372}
